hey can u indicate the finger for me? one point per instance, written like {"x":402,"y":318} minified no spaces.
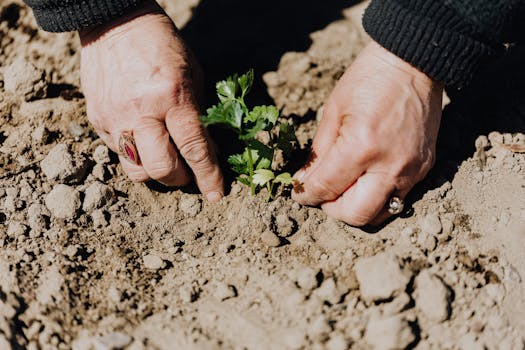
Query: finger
{"x":136,"y":173}
{"x":332,"y":174}
{"x":362,"y":202}
{"x":195,"y":146}
{"x":384,"y":214}
{"x":325,"y":136}
{"x":158,"y":155}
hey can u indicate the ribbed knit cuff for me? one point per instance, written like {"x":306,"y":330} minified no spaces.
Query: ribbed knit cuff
{"x":69,"y":15}
{"x":427,"y":35}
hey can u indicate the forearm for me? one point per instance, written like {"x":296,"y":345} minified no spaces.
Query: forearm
{"x":62,"y":16}
{"x":447,"y":42}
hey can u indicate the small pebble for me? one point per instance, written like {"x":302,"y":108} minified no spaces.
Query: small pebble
{"x":25,"y":80}
{"x":16,"y":229}
{"x":380,"y":277}
{"x":101,"y":155}
{"x":307,"y":278}
{"x":63,"y":201}
{"x":96,"y":196}
{"x":328,"y":291}
{"x":99,"y":218}
{"x":61,"y":166}
{"x":270,"y":239}
{"x":153,"y":262}
{"x":392,"y":333}
{"x":284,"y":225}
{"x":432,"y":297}
{"x":431,"y":224}
{"x":112,"y":341}
{"x":225,"y":291}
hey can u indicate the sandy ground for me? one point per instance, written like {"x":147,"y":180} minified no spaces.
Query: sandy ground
{"x":90,"y":261}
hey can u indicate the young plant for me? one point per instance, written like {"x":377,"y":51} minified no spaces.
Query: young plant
{"x":254,"y":164}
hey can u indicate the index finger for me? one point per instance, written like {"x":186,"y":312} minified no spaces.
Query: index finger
{"x":195,"y":146}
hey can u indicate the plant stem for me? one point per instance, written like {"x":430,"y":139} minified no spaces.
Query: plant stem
{"x":269,"y":186}
{"x":250,"y":170}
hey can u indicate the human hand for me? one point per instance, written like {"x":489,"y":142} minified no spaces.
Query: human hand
{"x":377,"y":139}
{"x":137,"y":76}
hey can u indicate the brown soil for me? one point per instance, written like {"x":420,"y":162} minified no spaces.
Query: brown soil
{"x":90,"y":261}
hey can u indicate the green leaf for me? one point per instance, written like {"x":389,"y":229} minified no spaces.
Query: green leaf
{"x":244,"y":180}
{"x":227,"y":89}
{"x":246,"y":82}
{"x":284,"y":178}
{"x":286,"y":140}
{"x":238,"y":163}
{"x":263,"y":176}
{"x":268,"y":113}
{"x":262,"y":154}
{"x":229,"y":113}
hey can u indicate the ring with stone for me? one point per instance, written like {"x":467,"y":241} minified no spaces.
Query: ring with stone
{"x":127,"y":147}
{"x":395,"y":205}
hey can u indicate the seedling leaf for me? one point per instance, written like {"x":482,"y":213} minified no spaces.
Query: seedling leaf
{"x":286,"y":140}
{"x":229,"y":113}
{"x":227,"y":89}
{"x":238,"y":163}
{"x":284,"y":178}
{"x":268,"y":113}
{"x":262,"y":176}
{"x":246,"y":82}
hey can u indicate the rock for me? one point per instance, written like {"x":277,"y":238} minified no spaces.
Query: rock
{"x":307,"y":278}
{"x":96,"y":196}
{"x":432,"y":296}
{"x":101,"y":155}
{"x":426,"y":241}
{"x":337,"y":341}
{"x":190,"y":205}
{"x":270,"y":239}
{"x":63,"y":201}
{"x":99,"y":172}
{"x":390,"y":333}
{"x":380,"y":277}
{"x":153,"y":262}
{"x":328,"y":291}
{"x":225,"y":291}
{"x":400,"y":303}
{"x":61,"y":166}
{"x":37,"y":217}
{"x":25,"y":80}
{"x":284,"y":225}
{"x":319,"y":328}
{"x":99,"y":218}
{"x":16,"y":229}
{"x":112,"y":341}
{"x":431,"y":224}
{"x":40,"y":135}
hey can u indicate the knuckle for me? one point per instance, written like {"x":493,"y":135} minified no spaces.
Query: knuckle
{"x":160,"y":171}
{"x":196,"y":151}
{"x":319,"y":190}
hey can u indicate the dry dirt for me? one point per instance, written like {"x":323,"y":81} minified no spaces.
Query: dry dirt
{"x":90,"y":261}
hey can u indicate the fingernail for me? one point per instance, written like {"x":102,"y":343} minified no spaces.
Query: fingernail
{"x":213,"y":197}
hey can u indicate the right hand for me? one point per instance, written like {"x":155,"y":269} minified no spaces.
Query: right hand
{"x":137,"y":76}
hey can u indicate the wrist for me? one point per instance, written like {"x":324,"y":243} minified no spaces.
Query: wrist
{"x":91,"y":34}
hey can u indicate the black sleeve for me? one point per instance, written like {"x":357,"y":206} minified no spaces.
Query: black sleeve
{"x":446,"y":39}
{"x":69,"y":15}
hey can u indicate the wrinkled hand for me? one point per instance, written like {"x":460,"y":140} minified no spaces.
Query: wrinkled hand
{"x":376,"y":139}
{"x":137,"y":76}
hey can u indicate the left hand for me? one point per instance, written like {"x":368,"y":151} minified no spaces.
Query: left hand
{"x":377,"y":139}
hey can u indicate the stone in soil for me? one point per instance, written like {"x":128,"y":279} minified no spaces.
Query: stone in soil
{"x":284,"y":225}
{"x":307,"y":278}
{"x":16,"y":229}
{"x":63,"y":201}
{"x":432,"y":296}
{"x":190,"y":205}
{"x":40,"y":135}
{"x":61,"y":166}
{"x":112,"y":341}
{"x":270,"y":239}
{"x":328,"y":291}
{"x":96,"y":196}
{"x":153,"y":262}
{"x":225,"y":291}
{"x":431,"y":224}
{"x":392,"y":333}
{"x":23,"y":79}
{"x":101,"y":155}
{"x":380,"y":277}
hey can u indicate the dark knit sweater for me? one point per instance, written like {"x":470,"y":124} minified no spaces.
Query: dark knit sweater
{"x":446,"y":39}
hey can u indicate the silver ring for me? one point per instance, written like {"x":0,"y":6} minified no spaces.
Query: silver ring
{"x":395,"y":205}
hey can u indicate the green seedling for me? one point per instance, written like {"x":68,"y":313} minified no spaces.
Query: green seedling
{"x":255,"y":164}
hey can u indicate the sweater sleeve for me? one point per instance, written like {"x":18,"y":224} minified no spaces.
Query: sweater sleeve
{"x":446,"y":39}
{"x":69,"y":15}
